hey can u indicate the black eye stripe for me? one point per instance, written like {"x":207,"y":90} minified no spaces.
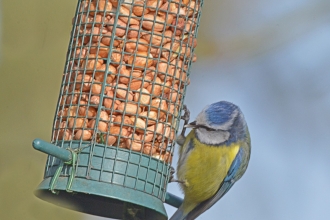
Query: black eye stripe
{"x":205,"y":127}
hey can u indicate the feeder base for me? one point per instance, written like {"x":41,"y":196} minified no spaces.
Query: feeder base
{"x":110,"y":202}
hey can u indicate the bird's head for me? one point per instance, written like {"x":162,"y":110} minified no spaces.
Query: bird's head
{"x":219,"y":122}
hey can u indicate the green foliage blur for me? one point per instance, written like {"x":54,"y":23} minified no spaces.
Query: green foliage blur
{"x":34,"y":37}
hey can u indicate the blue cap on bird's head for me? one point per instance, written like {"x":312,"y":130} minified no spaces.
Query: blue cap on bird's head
{"x":219,"y":115}
{"x":220,"y":112}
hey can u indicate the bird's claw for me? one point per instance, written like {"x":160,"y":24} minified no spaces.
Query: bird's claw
{"x":171,"y":179}
{"x":186,"y":115}
{"x":186,"y":118}
{"x":172,"y":171}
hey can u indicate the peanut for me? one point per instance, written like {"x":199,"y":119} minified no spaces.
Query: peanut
{"x":148,"y":137}
{"x":138,"y":8}
{"x":96,"y":88}
{"x":120,"y":29}
{"x":100,"y":73}
{"x":100,"y":49}
{"x":114,"y":3}
{"x":122,"y":92}
{"x":104,"y":116}
{"x":149,"y":117}
{"x":104,"y":6}
{"x":135,"y":84}
{"x":152,"y":22}
{"x":102,"y":126}
{"x":85,"y":81}
{"x":141,"y":61}
{"x":116,"y":130}
{"x":91,"y":62}
{"x":134,"y":143}
{"x":170,"y":50}
{"x":159,"y":104}
{"x":142,"y":96}
{"x":77,"y":122}
{"x":108,"y":102}
{"x":65,"y":135}
{"x":138,"y":123}
{"x":149,"y":149}
{"x":85,"y":135}
{"x":133,"y":31}
{"x":119,"y":120}
{"x":106,"y":40}
{"x":116,"y":58}
{"x":155,"y":89}
{"x":167,"y":157}
{"x":152,"y":5}
{"x":154,"y":39}
{"x":124,"y":14}
{"x":128,"y":108}
{"x":135,"y":44}
{"x":110,"y":140}
{"x":124,"y":74}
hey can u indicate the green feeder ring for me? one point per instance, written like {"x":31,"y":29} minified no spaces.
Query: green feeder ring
{"x":100,"y":198}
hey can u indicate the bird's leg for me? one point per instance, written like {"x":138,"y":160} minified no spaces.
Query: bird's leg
{"x":180,"y":140}
{"x":171,"y":180}
{"x":186,"y":117}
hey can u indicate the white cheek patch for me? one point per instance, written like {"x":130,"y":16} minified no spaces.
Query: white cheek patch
{"x":212,"y":137}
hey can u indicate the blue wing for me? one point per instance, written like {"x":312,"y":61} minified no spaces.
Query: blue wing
{"x":224,"y":187}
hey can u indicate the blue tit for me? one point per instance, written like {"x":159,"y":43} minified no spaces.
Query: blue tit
{"x":213,"y":156}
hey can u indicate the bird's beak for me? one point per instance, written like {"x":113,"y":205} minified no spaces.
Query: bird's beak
{"x":191,"y":125}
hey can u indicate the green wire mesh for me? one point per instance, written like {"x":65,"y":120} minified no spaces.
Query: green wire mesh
{"x":123,"y":87}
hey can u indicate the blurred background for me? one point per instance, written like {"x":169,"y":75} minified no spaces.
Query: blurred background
{"x":272,"y":58}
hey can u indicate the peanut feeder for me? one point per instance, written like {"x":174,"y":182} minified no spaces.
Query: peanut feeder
{"x":119,"y":106}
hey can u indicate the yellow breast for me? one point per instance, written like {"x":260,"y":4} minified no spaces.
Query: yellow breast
{"x":205,"y":169}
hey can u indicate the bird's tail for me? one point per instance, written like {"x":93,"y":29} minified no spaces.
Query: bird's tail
{"x":179,"y":214}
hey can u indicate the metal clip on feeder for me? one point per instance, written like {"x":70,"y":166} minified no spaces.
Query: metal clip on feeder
{"x":119,"y":107}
